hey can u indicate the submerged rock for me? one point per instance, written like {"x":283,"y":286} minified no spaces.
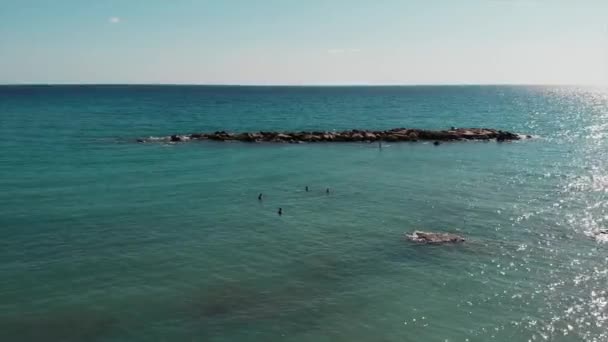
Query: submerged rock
{"x":434,"y":238}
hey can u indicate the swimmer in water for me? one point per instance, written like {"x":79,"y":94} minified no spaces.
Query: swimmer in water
{"x":307,"y":188}
{"x":260,"y":197}
{"x":280,"y":212}
{"x":327,"y":191}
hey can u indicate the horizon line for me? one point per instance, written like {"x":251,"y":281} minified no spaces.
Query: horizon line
{"x":309,"y":84}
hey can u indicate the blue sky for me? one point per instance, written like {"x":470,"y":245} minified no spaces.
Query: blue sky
{"x":304,"y":42}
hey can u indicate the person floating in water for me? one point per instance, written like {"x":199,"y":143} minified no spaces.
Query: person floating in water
{"x":327,"y":191}
{"x":260,"y":197}
{"x":307,"y":188}
{"x":280,"y":212}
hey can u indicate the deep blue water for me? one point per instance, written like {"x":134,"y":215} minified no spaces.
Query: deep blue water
{"x":105,"y":239}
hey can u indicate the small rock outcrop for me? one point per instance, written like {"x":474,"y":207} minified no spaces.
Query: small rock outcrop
{"x":394,"y":135}
{"x":600,"y":235}
{"x":434,"y":238}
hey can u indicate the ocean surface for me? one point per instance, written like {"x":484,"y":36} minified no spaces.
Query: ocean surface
{"x":106,"y":239}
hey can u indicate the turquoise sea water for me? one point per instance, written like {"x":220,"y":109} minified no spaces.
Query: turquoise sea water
{"x":104,"y":239}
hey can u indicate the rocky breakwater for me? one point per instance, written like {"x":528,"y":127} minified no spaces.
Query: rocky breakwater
{"x":392,"y":135}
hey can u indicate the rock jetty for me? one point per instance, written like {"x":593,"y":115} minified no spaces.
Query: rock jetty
{"x":434,"y":238}
{"x":355,"y":135}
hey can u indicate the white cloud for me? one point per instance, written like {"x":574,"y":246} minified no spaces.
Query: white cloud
{"x":114,"y":20}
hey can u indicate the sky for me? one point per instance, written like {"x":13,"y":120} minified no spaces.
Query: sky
{"x":299,"y":42}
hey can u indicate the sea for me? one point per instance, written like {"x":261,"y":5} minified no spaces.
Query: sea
{"x":106,"y":239}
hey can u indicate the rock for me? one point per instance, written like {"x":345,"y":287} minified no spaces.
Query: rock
{"x":436,"y":143}
{"x":504,"y":136}
{"x":601,"y":235}
{"x":327,"y":137}
{"x":222,"y":136}
{"x":401,"y":136}
{"x":474,"y":134}
{"x":369,"y":136}
{"x":434,"y":238}
{"x":310,"y":138}
{"x":218,"y":137}
{"x":391,"y":137}
{"x":175,"y":138}
{"x":140,"y":140}
{"x":340,"y":137}
{"x":283,"y":137}
{"x":247,"y":137}
{"x":356,"y":137}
